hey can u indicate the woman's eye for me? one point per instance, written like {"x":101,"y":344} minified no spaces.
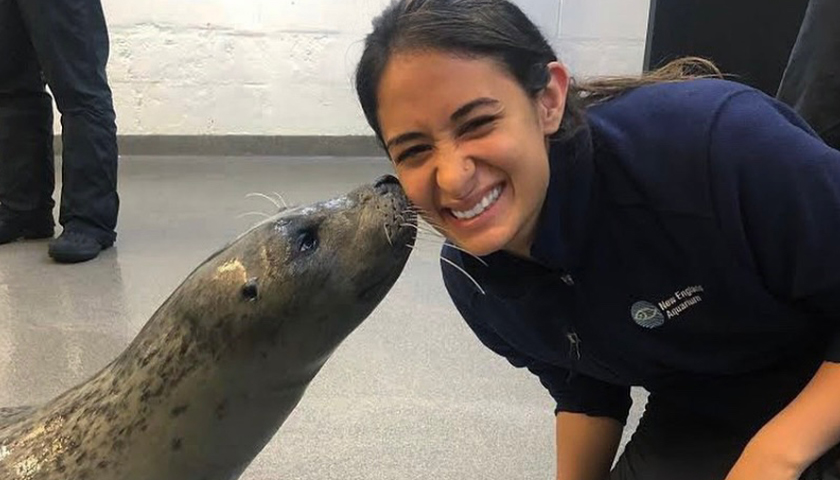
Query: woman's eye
{"x":411,"y":152}
{"x":476,"y":124}
{"x":307,"y":241}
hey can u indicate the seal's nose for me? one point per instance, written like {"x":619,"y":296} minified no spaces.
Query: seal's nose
{"x":387,"y":184}
{"x":386,"y":180}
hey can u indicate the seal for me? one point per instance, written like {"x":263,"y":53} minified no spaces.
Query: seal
{"x":217,"y":369}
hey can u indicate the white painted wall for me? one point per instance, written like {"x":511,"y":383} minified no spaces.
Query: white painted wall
{"x":285,"y":67}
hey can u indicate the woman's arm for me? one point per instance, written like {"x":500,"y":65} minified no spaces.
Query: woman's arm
{"x":798,"y":435}
{"x":586,"y":446}
{"x":777,"y":199}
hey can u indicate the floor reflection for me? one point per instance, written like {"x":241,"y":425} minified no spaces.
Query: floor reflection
{"x":58,"y":325}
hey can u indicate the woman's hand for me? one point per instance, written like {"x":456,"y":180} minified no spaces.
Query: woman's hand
{"x":798,"y":435}
{"x":759,"y":463}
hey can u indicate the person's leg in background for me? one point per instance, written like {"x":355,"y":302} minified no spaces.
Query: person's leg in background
{"x":811,"y":83}
{"x":27,"y":175}
{"x":71,"y":41}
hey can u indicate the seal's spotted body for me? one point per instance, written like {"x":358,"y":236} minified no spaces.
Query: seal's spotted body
{"x":221,"y":364}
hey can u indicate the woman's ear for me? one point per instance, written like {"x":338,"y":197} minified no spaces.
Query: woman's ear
{"x":551,"y":101}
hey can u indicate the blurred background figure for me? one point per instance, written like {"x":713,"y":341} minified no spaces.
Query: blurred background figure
{"x":811,"y":83}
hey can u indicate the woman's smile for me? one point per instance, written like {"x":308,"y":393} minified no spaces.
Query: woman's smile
{"x":483,"y":204}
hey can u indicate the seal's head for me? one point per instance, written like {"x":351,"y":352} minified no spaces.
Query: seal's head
{"x":222,"y":363}
{"x":305,"y":278}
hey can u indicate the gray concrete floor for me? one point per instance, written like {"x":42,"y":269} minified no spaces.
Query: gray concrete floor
{"x":411,"y":394}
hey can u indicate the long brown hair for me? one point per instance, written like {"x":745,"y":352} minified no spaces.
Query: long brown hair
{"x":602,"y":89}
{"x":499,"y":30}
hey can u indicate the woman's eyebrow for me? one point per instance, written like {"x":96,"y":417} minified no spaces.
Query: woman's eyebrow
{"x":465,"y":110}
{"x":403,"y":138}
{"x":460,"y":113}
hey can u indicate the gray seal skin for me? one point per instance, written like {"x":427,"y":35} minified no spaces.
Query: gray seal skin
{"x":213,"y":374}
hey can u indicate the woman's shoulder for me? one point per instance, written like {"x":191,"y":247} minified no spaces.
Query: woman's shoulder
{"x":669,"y":105}
{"x":679,"y":114}
{"x":660,"y":135}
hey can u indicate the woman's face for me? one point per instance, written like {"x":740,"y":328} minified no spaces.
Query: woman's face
{"x":469,"y":145}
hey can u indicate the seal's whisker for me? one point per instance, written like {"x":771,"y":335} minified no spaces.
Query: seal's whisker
{"x":408,"y":210}
{"x":422,"y":215}
{"x":434,"y":225}
{"x":262,"y":195}
{"x":416,"y":247}
{"x":421,"y":212}
{"x":283,"y":200}
{"x":385,"y":227}
{"x":426,"y":237}
{"x":432,"y":231}
{"x":415,"y":210}
{"x":425,"y":222}
{"x":431,"y":235}
{"x":263,"y":214}
{"x":419,"y":228}
{"x":455,"y":247}
{"x":450,"y":262}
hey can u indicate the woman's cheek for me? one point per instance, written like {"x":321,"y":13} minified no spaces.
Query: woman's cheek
{"x":417,"y":189}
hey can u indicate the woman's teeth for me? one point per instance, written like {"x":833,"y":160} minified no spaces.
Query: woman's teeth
{"x":481,"y":206}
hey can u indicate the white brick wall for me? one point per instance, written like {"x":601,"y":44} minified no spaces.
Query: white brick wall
{"x":285,"y":67}
{"x":603,"y":37}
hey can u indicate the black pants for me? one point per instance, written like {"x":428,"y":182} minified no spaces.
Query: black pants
{"x":811,"y":83}
{"x":65,"y":43}
{"x":698,"y":431}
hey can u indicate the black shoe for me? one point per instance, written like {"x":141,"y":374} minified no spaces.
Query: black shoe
{"x":75,"y":247}
{"x":29,"y":226}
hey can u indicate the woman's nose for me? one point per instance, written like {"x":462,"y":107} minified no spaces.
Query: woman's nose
{"x":455,"y":174}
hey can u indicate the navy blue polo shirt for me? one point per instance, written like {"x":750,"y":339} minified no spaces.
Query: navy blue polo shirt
{"x":690,"y":231}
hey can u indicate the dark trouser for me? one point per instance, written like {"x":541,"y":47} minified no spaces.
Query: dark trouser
{"x":698,"y":432}
{"x":64,"y":42}
{"x":811,"y":83}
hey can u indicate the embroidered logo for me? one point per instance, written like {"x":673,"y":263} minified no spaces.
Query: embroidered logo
{"x":647,"y":315}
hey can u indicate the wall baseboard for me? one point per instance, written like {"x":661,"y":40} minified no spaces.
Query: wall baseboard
{"x":246,"y":145}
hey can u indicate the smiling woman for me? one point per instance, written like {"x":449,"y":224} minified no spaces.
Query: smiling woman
{"x":667,"y":231}
{"x":474,"y":110}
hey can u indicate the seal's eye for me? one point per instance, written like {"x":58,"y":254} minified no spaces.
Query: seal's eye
{"x":249,"y":290}
{"x":307,"y":241}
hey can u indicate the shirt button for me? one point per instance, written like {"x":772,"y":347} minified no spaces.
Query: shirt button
{"x":568,"y":280}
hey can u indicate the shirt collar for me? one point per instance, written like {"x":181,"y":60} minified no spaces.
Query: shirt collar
{"x":566,"y":213}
